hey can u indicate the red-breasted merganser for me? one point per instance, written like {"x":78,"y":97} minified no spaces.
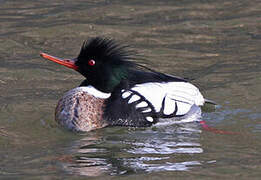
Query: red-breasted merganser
{"x":119,"y":92}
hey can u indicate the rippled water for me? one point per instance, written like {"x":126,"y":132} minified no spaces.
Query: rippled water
{"x":216,"y":43}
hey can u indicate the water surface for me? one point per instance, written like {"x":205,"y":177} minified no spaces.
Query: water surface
{"x":216,"y":43}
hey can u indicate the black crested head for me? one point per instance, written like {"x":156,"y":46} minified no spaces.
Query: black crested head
{"x":104,"y":63}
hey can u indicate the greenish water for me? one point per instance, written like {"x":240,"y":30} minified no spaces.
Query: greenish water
{"x":216,"y":43}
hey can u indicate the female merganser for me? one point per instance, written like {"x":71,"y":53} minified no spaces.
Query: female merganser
{"x":120,"y":92}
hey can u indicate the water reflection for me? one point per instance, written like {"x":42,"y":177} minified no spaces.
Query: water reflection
{"x":125,"y":151}
{"x":217,"y":43}
{"x":182,"y":166}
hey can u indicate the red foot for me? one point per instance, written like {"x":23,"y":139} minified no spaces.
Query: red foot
{"x":214,"y":130}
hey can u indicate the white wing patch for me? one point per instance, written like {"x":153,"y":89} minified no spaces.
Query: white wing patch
{"x":146,"y":110}
{"x":133,"y":98}
{"x":169,"y":106}
{"x":168,"y":99}
{"x":142,"y":104}
{"x":150,"y":119}
{"x":179,"y":96}
{"x":139,"y":102}
{"x":126,"y":94}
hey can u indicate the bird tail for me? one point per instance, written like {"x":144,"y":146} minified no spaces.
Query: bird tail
{"x":209,"y":106}
{"x":207,"y":101}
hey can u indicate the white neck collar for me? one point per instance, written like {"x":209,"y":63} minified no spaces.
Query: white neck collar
{"x":95,"y":92}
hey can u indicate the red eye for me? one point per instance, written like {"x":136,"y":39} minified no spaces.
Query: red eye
{"x":91,"y":62}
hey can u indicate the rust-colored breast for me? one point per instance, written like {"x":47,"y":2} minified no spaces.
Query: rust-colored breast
{"x":79,"y":111}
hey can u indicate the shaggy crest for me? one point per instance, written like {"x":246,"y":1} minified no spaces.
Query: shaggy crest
{"x":106,"y":51}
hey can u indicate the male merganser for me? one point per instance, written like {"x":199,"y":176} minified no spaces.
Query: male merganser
{"x":120,"y":92}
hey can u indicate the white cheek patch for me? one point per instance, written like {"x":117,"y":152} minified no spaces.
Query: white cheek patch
{"x":133,"y":98}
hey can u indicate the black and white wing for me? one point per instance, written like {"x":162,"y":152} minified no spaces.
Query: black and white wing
{"x":126,"y":107}
{"x":144,"y":104}
{"x":170,"y":99}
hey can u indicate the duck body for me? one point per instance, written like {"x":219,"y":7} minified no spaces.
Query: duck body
{"x":119,"y":92}
{"x":80,"y":110}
